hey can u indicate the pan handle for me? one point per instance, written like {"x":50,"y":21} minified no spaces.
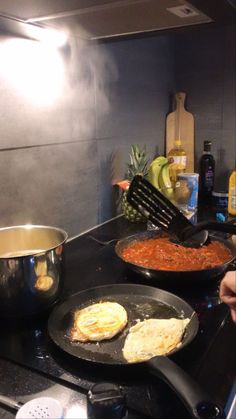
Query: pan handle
{"x":197,"y":402}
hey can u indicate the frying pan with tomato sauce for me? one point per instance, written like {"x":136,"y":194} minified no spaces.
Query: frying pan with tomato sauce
{"x":140,"y":302}
{"x":185,"y":276}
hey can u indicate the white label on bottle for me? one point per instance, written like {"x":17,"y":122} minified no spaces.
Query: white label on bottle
{"x":209,"y":178}
{"x":182,"y":160}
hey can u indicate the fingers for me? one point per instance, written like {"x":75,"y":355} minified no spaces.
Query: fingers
{"x":228,"y":285}
{"x":233,"y":314}
{"x":228,"y":292}
{"x":234,"y":239}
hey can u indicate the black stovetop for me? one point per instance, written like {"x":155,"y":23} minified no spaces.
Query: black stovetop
{"x":208,"y":359}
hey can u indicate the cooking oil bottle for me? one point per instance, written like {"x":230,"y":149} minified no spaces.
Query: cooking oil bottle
{"x":178,"y":160}
{"x":232,"y":193}
{"x":177,"y":155}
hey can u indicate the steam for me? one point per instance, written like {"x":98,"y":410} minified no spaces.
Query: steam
{"x":54,"y":93}
{"x":90,"y":70}
{"x":52,"y":97}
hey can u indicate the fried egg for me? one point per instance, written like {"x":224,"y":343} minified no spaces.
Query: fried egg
{"x":98,"y":322}
{"x":153,"y":337}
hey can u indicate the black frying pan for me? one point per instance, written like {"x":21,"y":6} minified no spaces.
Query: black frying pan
{"x":171,"y":276}
{"x":141,"y":302}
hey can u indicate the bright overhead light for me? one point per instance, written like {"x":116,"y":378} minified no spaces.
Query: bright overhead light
{"x":34,"y":69}
{"x":52,"y":37}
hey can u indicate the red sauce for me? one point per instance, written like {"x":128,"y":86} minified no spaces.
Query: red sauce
{"x":161,"y":253}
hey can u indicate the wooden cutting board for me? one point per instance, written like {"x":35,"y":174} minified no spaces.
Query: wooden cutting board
{"x":180,"y":124}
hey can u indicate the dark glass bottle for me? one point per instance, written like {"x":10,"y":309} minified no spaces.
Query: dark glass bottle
{"x":206,"y":175}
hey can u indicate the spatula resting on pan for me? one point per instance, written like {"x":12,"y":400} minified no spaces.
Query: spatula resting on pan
{"x":150,"y":202}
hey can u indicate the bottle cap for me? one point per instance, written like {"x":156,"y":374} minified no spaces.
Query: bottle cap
{"x":207,"y":145}
{"x":219,"y":200}
{"x":105,"y":400}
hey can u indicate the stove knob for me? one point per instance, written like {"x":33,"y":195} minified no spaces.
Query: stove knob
{"x":106,"y":400}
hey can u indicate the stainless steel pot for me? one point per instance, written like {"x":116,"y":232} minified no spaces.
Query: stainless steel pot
{"x":31,"y":259}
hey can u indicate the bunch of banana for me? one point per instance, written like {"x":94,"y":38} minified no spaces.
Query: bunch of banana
{"x":159,"y":176}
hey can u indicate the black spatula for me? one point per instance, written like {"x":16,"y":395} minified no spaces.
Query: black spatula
{"x":150,"y":202}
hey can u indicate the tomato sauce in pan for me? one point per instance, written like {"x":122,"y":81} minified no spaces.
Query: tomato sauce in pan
{"x":161,"y":253}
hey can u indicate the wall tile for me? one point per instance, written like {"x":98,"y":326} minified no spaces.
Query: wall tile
{"x":138,"y":94}
{"x":49,"y":185}
{"x":205,"y":62}
{"x":35,"y":120}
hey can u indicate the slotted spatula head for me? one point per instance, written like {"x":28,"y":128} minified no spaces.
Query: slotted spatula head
{"x":150,"y":202}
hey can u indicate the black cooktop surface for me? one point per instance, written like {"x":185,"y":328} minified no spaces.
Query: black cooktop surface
{"x":26,"y":341}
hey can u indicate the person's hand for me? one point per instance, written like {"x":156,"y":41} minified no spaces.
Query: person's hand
{"x":228,"y":289}
{"x":228,"y":292}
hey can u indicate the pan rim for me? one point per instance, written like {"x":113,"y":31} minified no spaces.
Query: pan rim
{"x":53,"y":319}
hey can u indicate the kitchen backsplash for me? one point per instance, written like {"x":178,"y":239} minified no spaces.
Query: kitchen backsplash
{"x":59,"y":154}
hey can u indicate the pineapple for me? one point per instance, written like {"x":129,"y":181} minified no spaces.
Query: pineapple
{"x":138,"y":165}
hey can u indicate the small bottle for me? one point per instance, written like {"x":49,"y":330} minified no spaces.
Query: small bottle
{"x":178,"y":159}
{"x":206,"y":174}
{"x":232,"y":193}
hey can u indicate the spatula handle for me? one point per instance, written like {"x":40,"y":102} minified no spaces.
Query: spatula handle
{"x":209,"y":225}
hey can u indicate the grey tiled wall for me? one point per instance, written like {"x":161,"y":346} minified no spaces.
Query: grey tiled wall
{"x":58,"y":161}
{"x":138,"y":98}
{"x":205,"y":68}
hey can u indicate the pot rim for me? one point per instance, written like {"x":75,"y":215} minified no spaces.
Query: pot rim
{"x":31,"y":227}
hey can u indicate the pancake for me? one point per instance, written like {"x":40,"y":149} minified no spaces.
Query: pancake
{"x":98,"y":322}
{"x":153,"y":337}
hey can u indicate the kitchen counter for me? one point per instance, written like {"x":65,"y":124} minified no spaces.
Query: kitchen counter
{"x":32,"y":366}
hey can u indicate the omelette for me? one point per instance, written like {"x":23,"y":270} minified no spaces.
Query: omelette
{"x":98,"y":322}
{"x":153,"y":337}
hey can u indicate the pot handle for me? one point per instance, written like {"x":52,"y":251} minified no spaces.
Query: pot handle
{"x":195,"y":399}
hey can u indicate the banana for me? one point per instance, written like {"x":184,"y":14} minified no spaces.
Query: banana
{"x":165,"y":182}
{"x":155,"y":170}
